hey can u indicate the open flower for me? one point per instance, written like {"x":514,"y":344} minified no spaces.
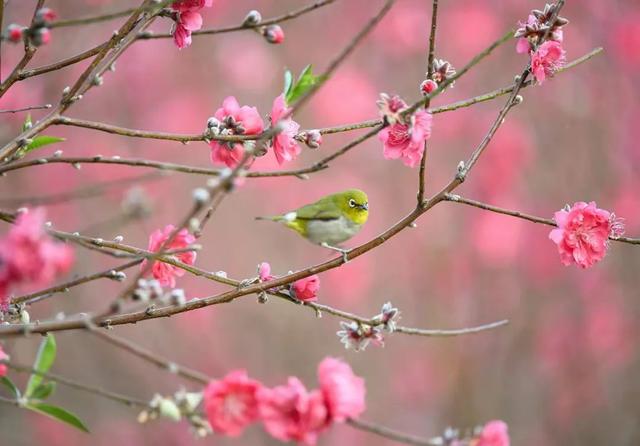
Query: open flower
{"x":583,"y":233}
{"x":494,"y":433}
{"x":231,"y":403}
{"x":547,"y":59}
{"x":285,"y":147}
{"x":343,"y":391}
{"x":188,"y":20}
{"x":404,"y":139}
{"x":28,"y":255}
{"x":164,"y":273}
{"x":234,"y":120}
{"x":291,"y":413}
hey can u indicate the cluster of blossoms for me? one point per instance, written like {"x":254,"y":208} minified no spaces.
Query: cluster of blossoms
{"x":404,"y":136}
{"x":440,"y":72}
{"x":187,"y":19}
{"x":358,"y":336}
{"x":288,"y":412}
{"x":234,"y":120}
{"x":38,"y":34}
{"x":28,"y":255}
{"x":165,"y":273}
{"x":583,"y":233}
{"x":305,"y":289}
{"x":546,"y":57}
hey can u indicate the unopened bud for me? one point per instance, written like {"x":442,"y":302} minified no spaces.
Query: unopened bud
{"x":15,"y":33}
{"x":428,"y":86}
{"x":41,"y":36}
{"x":201,"y":195}
{"x":273,"y":34}
{"x":253,"y":18}
{"x":169,"y":409}
{"x":118,"y":239}
{"x":313,"y":139}
{"x":44,"y":16}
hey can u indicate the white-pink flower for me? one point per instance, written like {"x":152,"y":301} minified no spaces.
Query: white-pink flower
{"x":404,"y":140}
{"x":583,"y":233}
{"x":547,"y":59}
{"x":285,"y":147}
{"x":234,"y":120}
{"x":494,"y":433}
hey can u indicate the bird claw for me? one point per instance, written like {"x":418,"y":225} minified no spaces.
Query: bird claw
{"x":344,"y":252}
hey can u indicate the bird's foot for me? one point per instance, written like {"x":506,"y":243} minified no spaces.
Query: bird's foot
{"x":344,"y":252}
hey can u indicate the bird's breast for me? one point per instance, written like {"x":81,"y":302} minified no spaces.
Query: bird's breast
{"x":331,"y":232}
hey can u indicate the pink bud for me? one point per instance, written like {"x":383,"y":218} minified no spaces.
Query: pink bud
{"x":15,"y":33}
{"x":45,"y":16}
{"x":41,"y":36}
{"x":313,"y":139}
{"x":273,"y":34}
{"x":306,"y":289}
{"x":427,"y":86}
{"x":264,"y":272}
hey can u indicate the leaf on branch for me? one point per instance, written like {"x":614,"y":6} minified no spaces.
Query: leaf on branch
{"x":40,"y":141}
{"x":43,"y":391}
{"x":11,"y":386}
{"x":288,"y":83}
{"x":59,"y":414}
{"x":44,"y":361}
{"x":305,"y":82}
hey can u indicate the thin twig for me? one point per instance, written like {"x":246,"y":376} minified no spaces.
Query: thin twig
{"x":392,"y":434}
{"x":93,"y":19}
{"x":32,"y":107}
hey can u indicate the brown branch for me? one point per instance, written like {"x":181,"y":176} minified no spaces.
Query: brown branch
{"x":392,"y":434}
{"x":430,"y":58}
{"x":78,"y":386}
{"x":32,"y":107}
{"x":151,"y":357}
{"x":271,"y":21}
{"x":62,"y":63}
{"x":532,"y":218}
{"x":93,"y":19}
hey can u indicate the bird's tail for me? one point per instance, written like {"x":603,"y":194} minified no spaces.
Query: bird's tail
{"x":276,"y":218}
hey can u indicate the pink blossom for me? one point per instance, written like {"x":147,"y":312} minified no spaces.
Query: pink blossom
{"x":306,"y":289}
{"x":234,"y":120}
{"x":428,"y":86}
{"x":494,"y":433}
{"x":29,"y":255}
{"x":188,"y":20}
{"x":343,"y":391}
{"x":15,"y":33}
{"x":285,"y":147}
{"x":3,"y":356}
{"x":291,"y":413}
{"x":548,"y":58}
{"x":164,"y":273}
{"x":583,"y":233}
{"x":264,"y":272}
{"x":523,"y":45}
{"x":406,"y":141}
{"x":231,"y":403}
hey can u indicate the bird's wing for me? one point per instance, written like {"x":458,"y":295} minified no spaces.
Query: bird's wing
{"x":320,"y":210}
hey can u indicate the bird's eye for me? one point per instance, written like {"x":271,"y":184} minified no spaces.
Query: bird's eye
{"x":352,"y":203}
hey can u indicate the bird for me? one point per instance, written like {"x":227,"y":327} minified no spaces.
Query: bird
{"x":329,"y":221}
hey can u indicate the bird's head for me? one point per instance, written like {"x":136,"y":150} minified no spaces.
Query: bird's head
{"x":354,"y":204}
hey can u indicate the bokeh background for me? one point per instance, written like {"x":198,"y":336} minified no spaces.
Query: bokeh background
{"x":565,"y":371}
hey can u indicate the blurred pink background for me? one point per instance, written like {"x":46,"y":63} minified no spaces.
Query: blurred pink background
{"x":565,"y":371}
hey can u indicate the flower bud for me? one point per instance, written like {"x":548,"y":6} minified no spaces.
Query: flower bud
{"x":41,"y":36}
{"x":427,"y":86}
{"x":273,"y":34}
{"x":253,"y":18}
{"x":169,"y":409}
{"x":201,"y":195}
{"x":44,"y":16}
{"x":15,"y":33}
{"x":313,"y":139}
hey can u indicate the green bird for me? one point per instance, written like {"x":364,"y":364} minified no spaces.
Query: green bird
{"x":329,"y":221}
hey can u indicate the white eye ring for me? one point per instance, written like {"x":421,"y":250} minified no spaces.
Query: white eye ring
{"x":352,"y":203}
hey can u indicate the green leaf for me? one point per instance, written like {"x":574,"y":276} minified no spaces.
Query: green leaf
{"x":58,"y":413}
{"x":304,"y":83}
{"x":288,"y":83}
{"x":27,"y":123}
{"x":44,"y":361}
{"x":11,"y":386}
{"x":40,"y":141}
{"x":43,"y":391}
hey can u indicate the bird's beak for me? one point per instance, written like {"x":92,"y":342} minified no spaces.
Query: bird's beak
{"x":364,"y":207}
